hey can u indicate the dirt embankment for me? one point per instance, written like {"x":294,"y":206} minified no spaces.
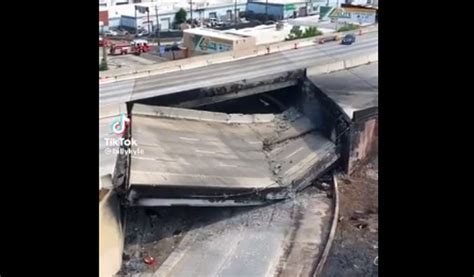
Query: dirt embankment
{"x":355,"y":247}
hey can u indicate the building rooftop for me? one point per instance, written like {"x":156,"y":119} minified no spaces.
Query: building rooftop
{"x":281,"y":2}
{"x":266,"y":34}
{"x":215,"y":33}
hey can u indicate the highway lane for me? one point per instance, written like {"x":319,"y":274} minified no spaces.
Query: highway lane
{"x":167,"y":83}
{"x":283,"y":239}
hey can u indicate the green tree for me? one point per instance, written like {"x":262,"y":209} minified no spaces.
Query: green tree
{"x":180,"y":16}
{"x":311,"y":32}
{"x":348,"y":27}
{"x":297,"y":33}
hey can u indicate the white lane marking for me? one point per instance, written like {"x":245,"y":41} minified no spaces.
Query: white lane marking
{"x":228,"y":165}
{"x":203,"y":151}
{"x":192,"y":139}
{"x":296,"y":151}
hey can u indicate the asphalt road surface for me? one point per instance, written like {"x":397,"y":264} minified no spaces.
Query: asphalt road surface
{"x":217,"y":74}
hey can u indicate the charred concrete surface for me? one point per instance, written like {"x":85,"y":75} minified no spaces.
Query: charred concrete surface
{"x":282,"y":239}
{"x":355,"y":92}
{"x":238,"y":158}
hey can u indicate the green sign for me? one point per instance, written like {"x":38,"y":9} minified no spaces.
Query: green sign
{"x":290,"y":7}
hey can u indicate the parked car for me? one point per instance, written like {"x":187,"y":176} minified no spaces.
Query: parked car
{"x":119,"y":31}
{"x":348,"y":39}
{"x":111,"y":33}
{"x":142,"y":33}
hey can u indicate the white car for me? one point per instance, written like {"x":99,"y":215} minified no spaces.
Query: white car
{"x":111,"y":33}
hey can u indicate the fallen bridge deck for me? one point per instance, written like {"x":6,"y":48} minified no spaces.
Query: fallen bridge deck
{"x":206,"y":155}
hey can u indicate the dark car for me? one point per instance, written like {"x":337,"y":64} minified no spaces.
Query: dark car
{"x":348,"y":39}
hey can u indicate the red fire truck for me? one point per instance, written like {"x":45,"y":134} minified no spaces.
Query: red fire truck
{"x":136,"y":47}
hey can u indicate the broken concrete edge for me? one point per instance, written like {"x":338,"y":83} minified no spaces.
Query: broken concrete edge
{"x":172,"y":202}
{"x":112,"y":110}
{"x":190,"y":114}
{"x":332,"y":232}
{"x":250,"y":196}
{"x":261,"y":196}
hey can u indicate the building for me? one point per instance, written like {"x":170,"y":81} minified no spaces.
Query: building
{"x":355,"y":14}
{"x":207,"y":41}
{"x":282,"y":9}
{"x":124,"y":14}
{"x":363,"y":2}
{"x":111,"y":3}
{"x":103,"y":20}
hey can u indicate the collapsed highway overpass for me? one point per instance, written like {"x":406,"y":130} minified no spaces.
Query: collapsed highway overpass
{"x":335,"y":115}
{"x":198,"y":157}
{"x":207,"y":158}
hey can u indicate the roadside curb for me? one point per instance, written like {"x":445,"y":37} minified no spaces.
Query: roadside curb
{"x":332,"y":232}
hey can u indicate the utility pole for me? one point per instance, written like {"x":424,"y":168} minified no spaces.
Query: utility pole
{"x":266,"y":11}
{"x":148,"y":19}
{"x":136,"y":22}
{"x":104,"y":65}
{"x":158,"y":28}
{"x":235,"y":12}
{"x":337,"y":13}
{"x":191,"y":11}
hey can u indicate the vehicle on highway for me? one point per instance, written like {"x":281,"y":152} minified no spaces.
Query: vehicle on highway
{"x":325,"y":39}
{"x":348,"y":39}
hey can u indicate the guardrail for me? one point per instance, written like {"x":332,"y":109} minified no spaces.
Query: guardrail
{"x":198,"y":61}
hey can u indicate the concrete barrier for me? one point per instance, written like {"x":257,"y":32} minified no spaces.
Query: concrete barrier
{"x":326,"y":68}
{"x":213,"y":117}
{"x":263,"y":118}
{"x":194,"y":65}
{"x":340,"y":65}
{"x":374,"y":57}
{"x":111,"y":234}
{"x":348,"y":63}
{"x":240,"y":118}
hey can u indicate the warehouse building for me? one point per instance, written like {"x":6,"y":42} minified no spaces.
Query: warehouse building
{"x":125,"y":15}
{"x":283,"y":9}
